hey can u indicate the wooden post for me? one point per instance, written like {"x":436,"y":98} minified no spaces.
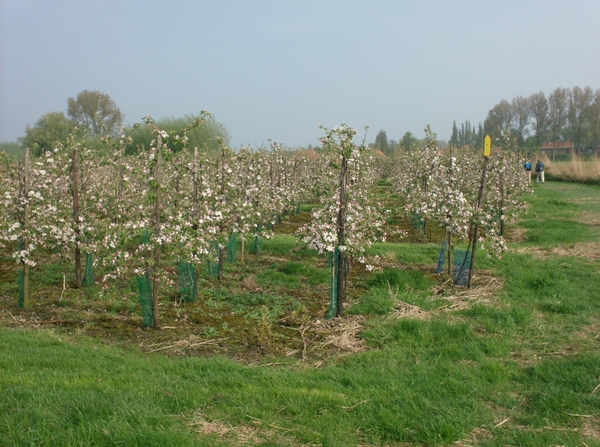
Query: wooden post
{"x":449,"y":247}
{"x":502,"y":201}
{"x":341,"y":223}
{"x":177,"y":184}
{"x":486,"y":157}
{"x":221,"y":227}
{"x":120,"y":174}
{"x":75,"y":191}
{"x":26,"y":266}
{"x":195,"y":183}
{"x":222,"y":253}
{"x":157,"y":247}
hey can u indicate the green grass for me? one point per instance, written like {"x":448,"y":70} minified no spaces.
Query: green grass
{"x":516,"y":368}
{"x":567,"y":200}
{"x":551,"y":233}
{"x":385,"y":287}
{"x":407,"y":253}
{"x":427,"y":383}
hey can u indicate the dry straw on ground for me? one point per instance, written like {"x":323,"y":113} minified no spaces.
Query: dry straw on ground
{"x":338,"y":336}
{"x":589,"y":250}
{"x":405,"y":310}
{"x":242,"y":434}
{"x":484,"y":288}
{"x":249,"y":283}
{"x":182,"y":346}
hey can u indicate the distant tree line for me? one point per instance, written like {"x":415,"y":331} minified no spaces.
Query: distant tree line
{"x":389,"y":147}
{"x":467,"y":135}
{"x":564,"y":115}
{"x":96,"y":117}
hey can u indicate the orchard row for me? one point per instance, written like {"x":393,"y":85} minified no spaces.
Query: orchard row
{"x":133,"y":212}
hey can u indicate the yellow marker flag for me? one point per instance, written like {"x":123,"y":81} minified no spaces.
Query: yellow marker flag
{"x":487,"y":146}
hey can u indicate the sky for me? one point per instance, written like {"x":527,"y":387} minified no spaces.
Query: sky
{"x":277,"y":69}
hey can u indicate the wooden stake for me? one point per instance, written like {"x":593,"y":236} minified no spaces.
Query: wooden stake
{"x":120,"y":174}
{"x":155,"y":280}
{"x":449,"y":247}
{"x":195,"y":183}
{"x":502,"y":202}
{"x":26,"y":267}
{"x":476,"y":230}
{"x":341,"y":267}
{"x":449,"y":253}
{"x":75,"y":191}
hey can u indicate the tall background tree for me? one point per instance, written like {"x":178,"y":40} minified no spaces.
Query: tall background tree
{"x":467,"y":135}
{"x":454,"y":137}
{"x":408,"y":141}
{"x":520,"y":118}
{"x":381,"y":142}
{"x":539,"y":117}
{"x":499,"y":120}
{"x":594,"y":116}
{"x":50,"y":129}
{"x":96,"y":112}
{"x":557,"y":112}
{"x":580,"y":101}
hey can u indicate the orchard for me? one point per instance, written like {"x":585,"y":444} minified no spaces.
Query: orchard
{"x":122,"y":216}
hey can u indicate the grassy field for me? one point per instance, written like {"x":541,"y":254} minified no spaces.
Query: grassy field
{"x":417,"y":361}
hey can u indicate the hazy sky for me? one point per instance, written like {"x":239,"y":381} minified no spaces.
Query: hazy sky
{"x":277,"y":69}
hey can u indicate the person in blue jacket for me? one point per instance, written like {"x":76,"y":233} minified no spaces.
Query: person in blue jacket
{"x":527,"y":166}
{"x":539,"y":169}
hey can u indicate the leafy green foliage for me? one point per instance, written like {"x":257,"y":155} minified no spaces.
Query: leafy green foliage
{"x":50,"y":129}
{"x":11,"y":148}
{"x":381,"y":142}
{"x":408,"y":141}
{"x":205,"y":137}
{"x":96,"y":112}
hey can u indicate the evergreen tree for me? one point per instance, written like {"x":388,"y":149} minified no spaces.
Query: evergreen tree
{"x":381,"y":142}
{"x":454,"y":137}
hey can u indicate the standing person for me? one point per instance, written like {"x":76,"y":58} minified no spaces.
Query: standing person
{"x":539,"y":169}
{"x":527,"y":166}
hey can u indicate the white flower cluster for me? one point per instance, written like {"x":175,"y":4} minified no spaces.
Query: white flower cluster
{"x":444,"y":189}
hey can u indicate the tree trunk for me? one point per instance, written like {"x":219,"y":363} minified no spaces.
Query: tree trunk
{"x":120,"y":174}
{"x":75,"y":190}
{"x":195,"y":182}
{"x":157,"y":247}
{"x":449,"y":248}
{"x":221,"y":227}
{"x":341,"y":291}
{"x":221,"y":261}
{"x":26,"y":267}
{"x":449,"y":254}
{"x":502,"y":202}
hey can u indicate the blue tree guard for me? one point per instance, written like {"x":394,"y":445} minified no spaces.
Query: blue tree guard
{"x":461,"y":266}
{"x":145,"y":290}
{"x":440,"y":265}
